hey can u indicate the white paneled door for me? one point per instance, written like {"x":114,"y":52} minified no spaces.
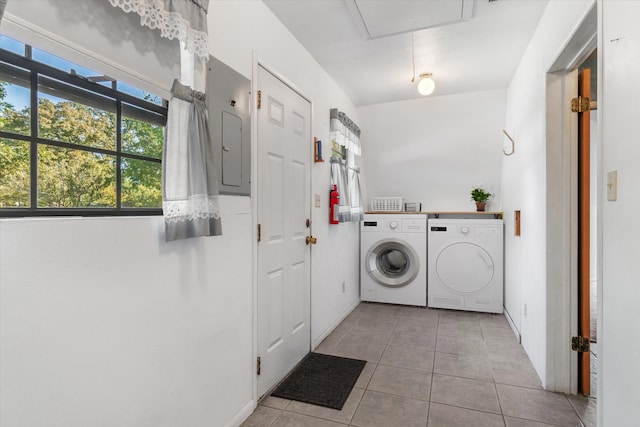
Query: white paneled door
{"x":284,"y":205}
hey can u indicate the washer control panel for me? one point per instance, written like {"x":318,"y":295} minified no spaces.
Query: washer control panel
{"x":397,"y":224}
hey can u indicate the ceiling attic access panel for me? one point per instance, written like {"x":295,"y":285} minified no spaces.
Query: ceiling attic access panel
{"x":376,"y":19}
{"x":229,"y":107}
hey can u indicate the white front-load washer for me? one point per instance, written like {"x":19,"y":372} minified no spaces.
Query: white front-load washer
{"x":393,"y":267}
{"x":466,"y":264}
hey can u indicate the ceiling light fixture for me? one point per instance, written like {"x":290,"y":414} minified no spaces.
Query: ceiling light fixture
{"x":426,"y":85}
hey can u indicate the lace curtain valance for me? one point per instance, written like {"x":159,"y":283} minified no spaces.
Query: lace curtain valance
{"x":185,"y":20}
{"x":345,"y":132}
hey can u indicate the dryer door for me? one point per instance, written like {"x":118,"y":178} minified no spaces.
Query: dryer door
{"x":465,"y":268}
{"x":392,"y":263}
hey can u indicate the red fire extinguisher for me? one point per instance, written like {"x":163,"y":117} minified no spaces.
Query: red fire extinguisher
{"x":334,"y":201}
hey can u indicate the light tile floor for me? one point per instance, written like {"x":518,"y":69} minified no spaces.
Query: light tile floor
{"x":432,"y":368}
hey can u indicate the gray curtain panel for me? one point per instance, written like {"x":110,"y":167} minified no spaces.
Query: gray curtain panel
{"x":190,"y":200}
{"x":339,"y":179}
{"x":357,"y":210}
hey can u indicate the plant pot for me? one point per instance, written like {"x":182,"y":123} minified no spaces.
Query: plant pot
{"x":480,"y":206}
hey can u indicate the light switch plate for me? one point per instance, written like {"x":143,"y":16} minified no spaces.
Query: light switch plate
{"x":317,"y":200}
{"x":612,"y":186}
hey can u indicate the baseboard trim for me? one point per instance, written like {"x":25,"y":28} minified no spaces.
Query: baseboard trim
{"x":242,"y":416}
{"x":513,"y":326}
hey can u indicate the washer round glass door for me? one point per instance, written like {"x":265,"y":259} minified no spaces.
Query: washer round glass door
{"x":392,"y":263}
{"x":465,"y":268}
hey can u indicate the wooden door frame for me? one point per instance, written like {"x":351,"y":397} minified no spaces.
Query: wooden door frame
{"x":562,"y":207}
{"x":257,"y":63}
{"x":584,"y":231}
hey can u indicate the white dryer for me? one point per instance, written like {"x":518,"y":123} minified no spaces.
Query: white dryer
{"x":466,"y":258}
{"x":393,"y":267}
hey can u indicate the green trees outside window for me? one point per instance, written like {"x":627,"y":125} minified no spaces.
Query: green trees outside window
{"x":81,"y":150}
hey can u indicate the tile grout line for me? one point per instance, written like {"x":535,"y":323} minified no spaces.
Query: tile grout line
{"x":319,"y":417}
{"x":534,"y":421}
{"x":433,"y":369}
{"x":574,"y":409}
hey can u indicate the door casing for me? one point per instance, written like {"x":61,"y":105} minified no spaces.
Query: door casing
{"x":562,"y":194}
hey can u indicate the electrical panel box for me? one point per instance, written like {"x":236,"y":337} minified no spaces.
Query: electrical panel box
{"x":229,"y":105}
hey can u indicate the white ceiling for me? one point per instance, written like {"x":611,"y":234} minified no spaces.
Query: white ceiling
{"x":365,"y":45}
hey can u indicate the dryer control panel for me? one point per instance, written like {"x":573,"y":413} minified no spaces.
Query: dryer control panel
{"x":468,"y":229}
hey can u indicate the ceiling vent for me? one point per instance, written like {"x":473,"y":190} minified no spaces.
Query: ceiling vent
{"x":376,"y":19}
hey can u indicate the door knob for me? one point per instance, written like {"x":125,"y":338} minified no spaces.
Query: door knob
{"x":311,"y":240}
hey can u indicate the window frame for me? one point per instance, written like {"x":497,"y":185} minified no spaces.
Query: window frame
{"x":36,"y":69}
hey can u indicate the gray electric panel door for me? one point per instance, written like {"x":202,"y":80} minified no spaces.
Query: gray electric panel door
{"x":228,"y":102}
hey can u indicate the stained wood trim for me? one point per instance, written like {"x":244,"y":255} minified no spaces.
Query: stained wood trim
{"x":584,"y":215}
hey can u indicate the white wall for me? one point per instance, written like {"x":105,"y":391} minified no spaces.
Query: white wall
{"x":524,"y":180}
{"x":433,"y":150}
{"x":619,"y":356}
{"x":101,"y":321}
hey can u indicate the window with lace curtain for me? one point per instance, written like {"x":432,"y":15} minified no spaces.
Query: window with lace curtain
{"x":74,"y":142}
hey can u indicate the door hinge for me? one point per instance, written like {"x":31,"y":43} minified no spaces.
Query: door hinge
{"x":580,"y":104}
{"x":580,"y":344}
{"x":258,"y":368}
{"x":259,"y":99}
{"x":259,"y":232}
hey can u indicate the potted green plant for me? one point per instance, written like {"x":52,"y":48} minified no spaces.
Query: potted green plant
{"x":480,"y":196}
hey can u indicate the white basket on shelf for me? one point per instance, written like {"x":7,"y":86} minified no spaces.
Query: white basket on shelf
{"x":387,"y":204}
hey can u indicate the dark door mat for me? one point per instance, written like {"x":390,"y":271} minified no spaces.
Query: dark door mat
{"x":321,"y":380}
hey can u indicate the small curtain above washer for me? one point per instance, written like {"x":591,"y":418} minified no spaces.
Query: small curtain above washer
{"x":357,"y":211}
{"x":339,"y":179}
{"x":345,"y":143}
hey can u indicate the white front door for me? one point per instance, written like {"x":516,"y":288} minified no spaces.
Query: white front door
{"x":284,"y":204}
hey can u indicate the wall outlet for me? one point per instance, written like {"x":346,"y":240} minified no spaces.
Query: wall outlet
{"x":344,"y":287}
{"x":317,"y":200}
